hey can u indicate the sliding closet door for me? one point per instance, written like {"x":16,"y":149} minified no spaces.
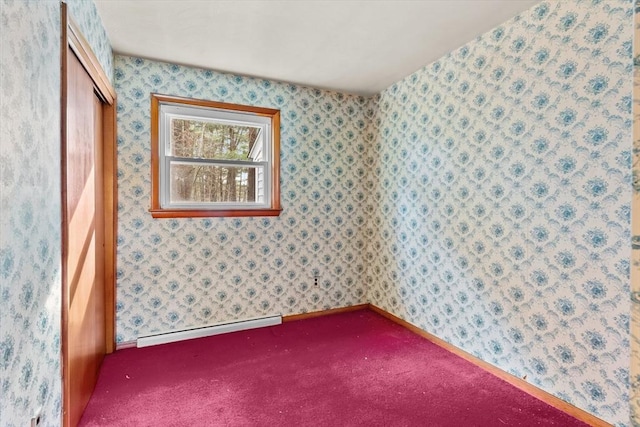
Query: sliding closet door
{"x":84,"y":224}
{"x":89,"y":205}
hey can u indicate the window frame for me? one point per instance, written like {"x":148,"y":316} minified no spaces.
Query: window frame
{"x":159,"y":172}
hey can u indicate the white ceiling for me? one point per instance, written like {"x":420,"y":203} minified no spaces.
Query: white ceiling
{"x":354,"y":46}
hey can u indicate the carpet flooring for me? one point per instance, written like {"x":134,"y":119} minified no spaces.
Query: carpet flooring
{"x":349,"y":369}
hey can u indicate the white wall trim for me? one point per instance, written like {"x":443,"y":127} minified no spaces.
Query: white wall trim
{"x":206,"y":331}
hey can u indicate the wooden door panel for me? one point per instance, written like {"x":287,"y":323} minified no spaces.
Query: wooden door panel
{"x":82,"y":361}
{"x":89,"y":201}
{"x":84,"y":224}
{"x":80,"y":155}
{"x":100,"y":304}
{"x":81,"y":230}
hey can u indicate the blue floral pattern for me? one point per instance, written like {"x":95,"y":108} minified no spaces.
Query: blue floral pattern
{"x":30,"y":220}
{"x":510,"y":261}
{"x":85,"y":14}
{"x":635,"y":226}
{"x":520,"y":260}
{"x":30,"y":256}
{"x":500,"y":184}
{"x":175,"y":274}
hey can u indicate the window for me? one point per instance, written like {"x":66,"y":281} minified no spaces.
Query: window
{"x":213,"y":159}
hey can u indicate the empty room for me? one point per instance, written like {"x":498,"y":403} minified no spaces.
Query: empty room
{"x":320,"y":213}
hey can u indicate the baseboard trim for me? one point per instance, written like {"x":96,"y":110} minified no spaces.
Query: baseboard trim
{"x":125,"y":344}
{"x":519,"y":383}
{"x":207,"y":331}
{"x":302,"y":316}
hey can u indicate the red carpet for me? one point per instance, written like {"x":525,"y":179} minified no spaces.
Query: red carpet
{"x":352,"y":369}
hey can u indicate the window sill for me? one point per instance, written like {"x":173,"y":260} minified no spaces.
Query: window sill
{"x":189,"y":213}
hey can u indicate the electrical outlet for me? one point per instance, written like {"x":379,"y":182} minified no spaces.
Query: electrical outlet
{"x":36,"y":421}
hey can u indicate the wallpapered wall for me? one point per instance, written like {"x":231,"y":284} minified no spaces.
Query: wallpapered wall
{"x":85,"y":14}
{"x":635,"y":226}
{"x":30,"y":245}
{"x":181,"y":273}
{"x":484,"y":198}
{"x":30,"y":286}
{"x":500,"y":215}
{"x":521,"y":260}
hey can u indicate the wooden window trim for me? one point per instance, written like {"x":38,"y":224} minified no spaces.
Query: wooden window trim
{"x":157,"y":211}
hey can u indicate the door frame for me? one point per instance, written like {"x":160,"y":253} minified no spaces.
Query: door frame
{"x":71,"y":37}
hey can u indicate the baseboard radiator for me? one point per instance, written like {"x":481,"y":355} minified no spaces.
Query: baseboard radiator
{"x":207,"y":331}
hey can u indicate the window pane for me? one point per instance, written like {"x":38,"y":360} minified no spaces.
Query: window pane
{"x":211,"y":140}
{"x":216,"y":184}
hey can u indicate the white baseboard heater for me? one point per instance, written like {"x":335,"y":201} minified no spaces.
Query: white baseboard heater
{"x":207,"y":331}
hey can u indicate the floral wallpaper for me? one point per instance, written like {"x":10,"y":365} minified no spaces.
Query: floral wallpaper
{"x":30,"y":259}
{"x":485,"y":198}
{"x":30,"y":220}
{"x":181,"y":273}
{"x":635,"y":227}
{"x":500,"y":184}
{"x":85,"y":14}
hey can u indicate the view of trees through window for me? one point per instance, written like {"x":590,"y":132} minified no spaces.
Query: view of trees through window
{"x":217,"y":180}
